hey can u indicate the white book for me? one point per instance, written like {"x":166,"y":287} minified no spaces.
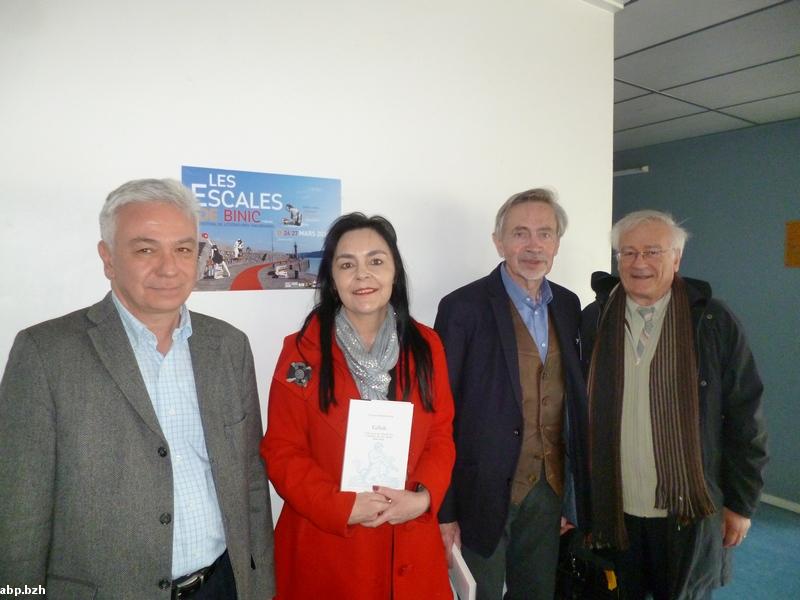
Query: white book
{"x":376,"y":447}
{"x":461,"y":579}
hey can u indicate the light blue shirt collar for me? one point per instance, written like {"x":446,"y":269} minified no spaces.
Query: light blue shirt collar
{"x":519,"y":295}
{"x":533,"y":311}
{"x":139,"y":334}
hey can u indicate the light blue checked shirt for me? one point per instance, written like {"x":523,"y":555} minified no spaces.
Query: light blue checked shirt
{"x":533,"y":312}
{"x":198,"y":536}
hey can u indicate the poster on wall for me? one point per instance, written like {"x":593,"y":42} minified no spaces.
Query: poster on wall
{"x":261,"y":231}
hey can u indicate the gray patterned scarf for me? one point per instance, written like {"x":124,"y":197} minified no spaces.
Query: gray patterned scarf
{"x":370,"y":369}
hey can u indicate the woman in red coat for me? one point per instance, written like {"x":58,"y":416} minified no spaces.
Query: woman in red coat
{"x":359,"y":342}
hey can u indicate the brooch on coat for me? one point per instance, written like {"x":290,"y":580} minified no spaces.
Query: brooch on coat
{"x":299,"y":373}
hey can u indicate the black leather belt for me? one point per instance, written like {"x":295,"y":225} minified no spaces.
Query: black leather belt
{"x":186,"y":586}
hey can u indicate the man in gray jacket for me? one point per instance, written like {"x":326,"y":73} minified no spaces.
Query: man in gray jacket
{"x":129,"y":430}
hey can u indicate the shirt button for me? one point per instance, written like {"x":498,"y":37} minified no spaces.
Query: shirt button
{"x":165,"y":518}
{"x":703,"y":383}
{"x":404,"y":570}
{"x":162,"y":452}
{"x":165,"y":584}
{"x":709,"y":317}
{"x":516,"y":432}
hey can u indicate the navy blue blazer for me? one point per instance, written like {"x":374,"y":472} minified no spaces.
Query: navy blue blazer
{"x":474,"y":323}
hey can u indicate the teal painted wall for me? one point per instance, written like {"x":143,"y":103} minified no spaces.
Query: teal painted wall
{"x":734,"y":192}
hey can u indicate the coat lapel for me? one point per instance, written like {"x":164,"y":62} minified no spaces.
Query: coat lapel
{"x":114,"y":349}
{"x":345,"y":387}
{"x":213,"y":382}
{"x":557,"y":319}
{"x":570,"y":346}
{"x":346,"y":390}
{"x":501,"y":305}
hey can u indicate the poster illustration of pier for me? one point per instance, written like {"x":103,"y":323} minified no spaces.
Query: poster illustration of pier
{"x":261,"y":231}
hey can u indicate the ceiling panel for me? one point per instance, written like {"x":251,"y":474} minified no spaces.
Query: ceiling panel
{"x":623,"y":91}
{"x":648,"y":109}
{"x":758,"y":38}
{"x":691,"y":126}
{"x":775,"y":78}
{"x":647,"y":22}
{"x":772,"y":109}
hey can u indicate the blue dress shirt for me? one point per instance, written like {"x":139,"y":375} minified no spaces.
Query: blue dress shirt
{"x":198,"y":535}
{"x":532,"y":310}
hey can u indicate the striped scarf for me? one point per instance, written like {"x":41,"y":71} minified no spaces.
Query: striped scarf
{"x":674,"y":412}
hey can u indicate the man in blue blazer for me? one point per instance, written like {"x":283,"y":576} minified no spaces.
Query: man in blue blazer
{"x":513,"y":354}
{"x":130,"y":430}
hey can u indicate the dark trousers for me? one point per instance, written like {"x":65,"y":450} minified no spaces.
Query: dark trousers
{"x":527,"y":555}
{"x":644,"y":567}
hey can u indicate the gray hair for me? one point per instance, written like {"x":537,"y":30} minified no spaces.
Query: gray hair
{"x":634,"y":219}
{"x":167,"y":191}
{"x":543,"y":195}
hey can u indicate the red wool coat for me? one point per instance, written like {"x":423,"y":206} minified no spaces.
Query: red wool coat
{"x":317,"y":554}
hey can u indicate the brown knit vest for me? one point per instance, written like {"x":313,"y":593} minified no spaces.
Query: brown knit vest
{"x":542,"y":411}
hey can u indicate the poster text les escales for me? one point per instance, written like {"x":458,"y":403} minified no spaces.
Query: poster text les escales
{"x":261,"y":231}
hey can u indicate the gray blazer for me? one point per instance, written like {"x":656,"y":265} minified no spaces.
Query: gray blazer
{"x":85,"y":470}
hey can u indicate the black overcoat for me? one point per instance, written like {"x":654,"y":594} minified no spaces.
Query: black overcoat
{"x":733,"y":438}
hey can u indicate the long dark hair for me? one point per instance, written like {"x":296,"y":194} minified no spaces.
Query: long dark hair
{"x":412,"y":344}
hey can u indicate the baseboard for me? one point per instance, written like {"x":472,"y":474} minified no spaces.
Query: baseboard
{"x":781,"y":503}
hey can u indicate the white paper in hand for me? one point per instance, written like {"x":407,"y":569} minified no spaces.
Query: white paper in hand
{"x":461,"y":579}
{"x":376,"y":448}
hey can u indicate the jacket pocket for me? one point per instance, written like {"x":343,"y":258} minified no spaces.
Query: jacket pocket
{"x":235,"y":432}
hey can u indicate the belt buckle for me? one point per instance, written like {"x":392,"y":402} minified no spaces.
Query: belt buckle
{"x":188,"y":586}
{"x":193,"y":582}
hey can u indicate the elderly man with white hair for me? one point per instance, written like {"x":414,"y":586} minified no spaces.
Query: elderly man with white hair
{"x":677,"y":439}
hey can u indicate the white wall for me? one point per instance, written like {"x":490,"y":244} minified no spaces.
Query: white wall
{"x":431,"y":113}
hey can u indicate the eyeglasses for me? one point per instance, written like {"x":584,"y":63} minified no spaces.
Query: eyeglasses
{"x":651,"y":255}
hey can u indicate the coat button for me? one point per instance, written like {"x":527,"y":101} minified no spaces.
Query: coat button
{"x":165,"y":584}
{"x":516,"y":432}
{"x":703,"y":383}
{"x":162,"y":452}
{"x":165,"y":518}
{"x":709,"y":317}
{"x":404,"y":570}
